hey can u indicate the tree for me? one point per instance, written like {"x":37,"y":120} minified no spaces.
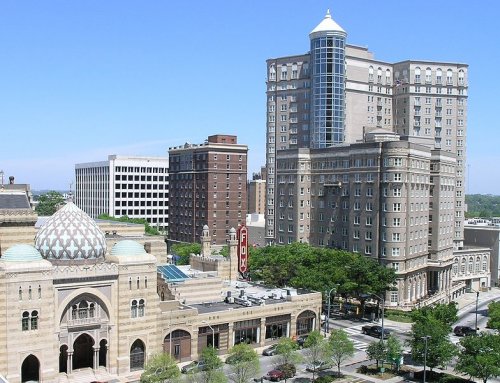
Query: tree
{"x":377,"y":351}
{"x":494,"y":314}
{"x":244,"y":363}
{"x":286,"y":352}
{"x":161,"y":368}
{"x":316,"y":351}
{"x":394,"y":350}
{"x":341,"y":347}
{"x":184,"y":250}
{"x":48,"y":203}
{"x":480,"y":356}
{"x":212,"y":372}
{"x":440,"y":350}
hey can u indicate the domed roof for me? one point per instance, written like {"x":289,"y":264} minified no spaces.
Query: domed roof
{"x":127,"y":248}
{"x":327,"y":27}
{"x":21,"y":253}
{"x":70,"y":235}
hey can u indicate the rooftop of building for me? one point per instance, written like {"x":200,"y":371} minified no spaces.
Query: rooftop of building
{"x":13,"y":200}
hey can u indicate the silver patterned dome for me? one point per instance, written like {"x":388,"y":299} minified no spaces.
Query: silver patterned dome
{"x":71,"y":236}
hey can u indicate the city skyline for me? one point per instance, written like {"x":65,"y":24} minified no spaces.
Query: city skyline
{"x":126,"y":75}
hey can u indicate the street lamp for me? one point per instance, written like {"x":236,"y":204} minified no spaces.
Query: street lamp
{"x":383,"y":304}
{"x":327,"y":327}
{"x":425,"y":338}
{"x":213,"y":332}
{"x":477,"y":299}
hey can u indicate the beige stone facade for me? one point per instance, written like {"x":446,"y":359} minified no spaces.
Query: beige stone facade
{"x":101,"y":314}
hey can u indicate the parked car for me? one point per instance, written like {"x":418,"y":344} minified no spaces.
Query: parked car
{"x":375,"y":331}
{"x":301,"y":340}
{"x":281,"y":372}
{"x":270,"y":351}
{"x":194,"y":366}
{"x":318,"y":366}
{"x":464,"y":331}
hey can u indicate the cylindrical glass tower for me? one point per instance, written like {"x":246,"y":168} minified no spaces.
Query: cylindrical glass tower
{"x":328,"y":83}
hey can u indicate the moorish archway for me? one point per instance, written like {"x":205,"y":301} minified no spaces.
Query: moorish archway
{"x":30,"y":369}
{"x":178,"y":345}
{"x":137,"y":352}
{"x":306,"y":322}
{"x":83,"y":354}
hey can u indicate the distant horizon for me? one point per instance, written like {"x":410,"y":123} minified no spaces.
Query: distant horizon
{"x":83,"y":80}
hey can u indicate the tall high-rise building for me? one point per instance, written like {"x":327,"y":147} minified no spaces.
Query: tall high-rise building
{"x":136,"y":187}
{"x":257,"y":193}
{"x":337,"y":93}
{"x":208,"y":186}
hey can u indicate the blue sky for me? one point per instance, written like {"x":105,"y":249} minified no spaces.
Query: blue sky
{"x":84,"y":79}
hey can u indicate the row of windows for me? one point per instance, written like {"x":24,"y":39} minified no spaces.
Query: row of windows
{"x":30,"y":293}
{"x":137,"y":169}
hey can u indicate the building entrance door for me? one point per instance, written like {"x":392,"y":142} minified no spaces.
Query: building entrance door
{"x":83,"y":354}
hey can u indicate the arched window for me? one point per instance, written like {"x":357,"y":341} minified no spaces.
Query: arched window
{"x":471,"y":265}
{"x":137,"y":352}
{"x":379,"y":75}
{"x":428,"y":74}
{"x":130,"y":283}
{"x":387,"y":76}
{"x":39,"y":292}
{"x":91,"y":310}
{"x":133,"y":309}
{"x":141,"y":308}
{"x":138,"y":282}
{"x":145,"y":282}
{"x":284,"y":74}
{"x":417,"y":75}
{"x":485,"y":263}
{"x":449,"y":77}
{"x":83,"y":310}
{"x":25,"y":321}
{"x":74,"y":312}
{"x":20,"y":293}
{"x":478,"y":264}
{"x":370,"y":73}
{"x":34,"y":320}
{"x":439,"y":76}
{"x":29,"y":292}
{"x":455,"y":267}
{"x":272,"y":73}
{"x":461,"y":77}
{"x":462,"y":268}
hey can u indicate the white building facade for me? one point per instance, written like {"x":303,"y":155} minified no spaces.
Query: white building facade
{"x":136,"y":187}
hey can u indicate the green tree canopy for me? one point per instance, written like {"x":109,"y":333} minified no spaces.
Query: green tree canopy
{"x":212,"y":372}
{"x":48,"y":203}
{"x":184,"y":250}
{"x":341,"y":347}
{"x":303,"y":266}
{"x":480,"y":356}
{"x":435,"y":324}
{"x":482,"y":205}
{"x":316,"y":351}
{"x":394,"y":350}
{"x":494,"y":315}
{"x":244,"y":363}
{"x":377,"y":351}
{"x":161,"y":368}
{"x":286,"y":352}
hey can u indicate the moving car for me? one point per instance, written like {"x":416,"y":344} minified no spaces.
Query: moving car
{"x":375,"y":331}
{"x":464,"y":331}
{"x":270,"y":351}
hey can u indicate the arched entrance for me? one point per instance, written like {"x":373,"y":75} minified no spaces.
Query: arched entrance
{"x":103,"y":352}
{"x":306,"y":322}
{"x":30,"y":369}
{"x":83,"y":354}
{"x":178,"y":345}
{"x":137,"y":352}
{"x":63,"y":358}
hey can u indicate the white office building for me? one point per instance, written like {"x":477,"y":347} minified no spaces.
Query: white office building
{"x":136,"y":187}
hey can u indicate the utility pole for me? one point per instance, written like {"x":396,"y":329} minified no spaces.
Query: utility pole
{"x":425,"y":338}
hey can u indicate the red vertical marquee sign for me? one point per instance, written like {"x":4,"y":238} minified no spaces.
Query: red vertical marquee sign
{"x":243,"y":249}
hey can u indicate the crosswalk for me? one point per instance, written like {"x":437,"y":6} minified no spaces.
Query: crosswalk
{"x":356,"y":330}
